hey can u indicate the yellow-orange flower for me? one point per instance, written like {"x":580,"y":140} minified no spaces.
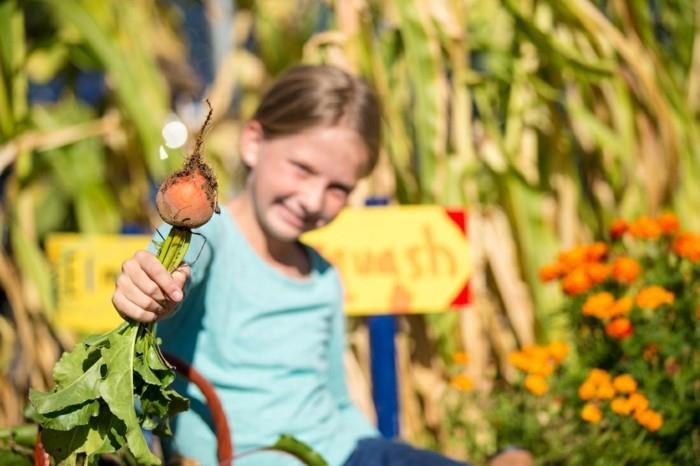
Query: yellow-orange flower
{"x":591,"y":413}
{"x":618,"y":228}
{"x":460,"y":357}
{"x":520,"y":361}
{"x":668,"y":222}
{"x":558,"y":350}
{"x":625,"y":270}
{"x":621,"y":307}
{"x":598,"y":305}
{"x":652,"y":297}
{"x":605,"y":391}
{"x":550,"y":272}
{"x":462,"y":383}
{"x":687,"y":245}
{"x":536,"y":384}
{"x":625,"y":383}
{"x":621,"y":406}
{"x":645,"y":228}
{"x":649,"y":419}
{"x":619,"y":328}
{"x":572,"y":258}
{"x":599,"y":376}
{"x":587,"y":390}
{"x":596,"y":251}
{"x":576,"y":282}
{"x":638,"y":402}
{"x":597,"y":272}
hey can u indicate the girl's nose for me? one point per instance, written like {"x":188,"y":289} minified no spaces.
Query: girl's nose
{"x":312,"y":198}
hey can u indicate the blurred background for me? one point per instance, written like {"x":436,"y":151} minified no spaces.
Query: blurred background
{"x":545,"y":119}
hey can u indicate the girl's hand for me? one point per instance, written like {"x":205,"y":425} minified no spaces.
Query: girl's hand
{"x":145,"y":291}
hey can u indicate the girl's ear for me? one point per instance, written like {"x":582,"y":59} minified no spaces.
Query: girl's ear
{"x":251,"y":139}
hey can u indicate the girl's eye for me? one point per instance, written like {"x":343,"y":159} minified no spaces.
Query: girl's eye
{"x":339,"y":192}
{"x":300,"y":168}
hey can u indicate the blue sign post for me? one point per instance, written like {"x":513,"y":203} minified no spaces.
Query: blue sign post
{"x":382,"y":333}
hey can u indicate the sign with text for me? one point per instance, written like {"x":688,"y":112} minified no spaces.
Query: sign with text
{"x":398,"y":259}
{"x":85,"y":268}
{"x":392,"y":259}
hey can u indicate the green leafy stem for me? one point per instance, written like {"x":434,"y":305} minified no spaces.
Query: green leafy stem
{"x":110,"y":387}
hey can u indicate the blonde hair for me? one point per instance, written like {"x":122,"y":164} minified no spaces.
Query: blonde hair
{"x":321,"y":95}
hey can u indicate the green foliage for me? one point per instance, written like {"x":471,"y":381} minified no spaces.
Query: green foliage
{"x":92,"y":408}
{"x":631,"y":395}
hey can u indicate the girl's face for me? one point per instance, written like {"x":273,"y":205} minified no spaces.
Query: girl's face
{"x":300,"y":182}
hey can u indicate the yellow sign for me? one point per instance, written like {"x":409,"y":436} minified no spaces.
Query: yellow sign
{"x":406,"y":259}
{"x":85,"y":270}
{"x":398,"y":259}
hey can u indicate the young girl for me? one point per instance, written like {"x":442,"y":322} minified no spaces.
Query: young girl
{"x":261,"y":316}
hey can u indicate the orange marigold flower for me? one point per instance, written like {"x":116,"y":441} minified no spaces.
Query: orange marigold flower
{"x":625,"y":270}
{"x":596,"y":251}
{"x":621,"y":406}
{"x":520,"y":361}
{"x":668,"y":222}
{"x":536,"y":384}
{"x":597,"y":272}
{"x":687,"y":245}
{"x":550,"y":272}
{"x":625,"y":383}
{"x":619,"y":328}
{"x":576,"y":282}
{"x":605,"y":391}
{"x":558,"y":350}
{"x":460,"y":357}
{"x":462,"y":383}
{"x":638,"y":402}
{"x":599,"y":376}
{"x":597,"y":305}
{"x":618,"y":228}
{"x":645,"y":228}
{"x":649,"y":419}
{"x":654,"y":296}
{"x":591,"y":413}
{"x":621,"y":307}
{"x":572,"y":258}
{"x":587,"y":390}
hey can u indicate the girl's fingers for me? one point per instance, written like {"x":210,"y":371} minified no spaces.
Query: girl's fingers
{"x":137,"y":271}
{"x":129,"y":310}
{"x":157,"y":275}
{"x":135,"y":295}
{"x":181,"y":274}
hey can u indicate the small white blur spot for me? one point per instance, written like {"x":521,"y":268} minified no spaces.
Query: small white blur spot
{"x":174,"y":134}
{"x":163,"y":154}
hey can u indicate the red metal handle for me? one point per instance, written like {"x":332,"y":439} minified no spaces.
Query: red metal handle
{"x":224,"y":447}
{"x":224,"y":444}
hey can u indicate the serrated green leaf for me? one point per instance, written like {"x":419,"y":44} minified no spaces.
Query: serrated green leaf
{"x":70,"y":364}
{"x":62,"y":444}
{"x":83,"y":388}
{"x":69,"y":418}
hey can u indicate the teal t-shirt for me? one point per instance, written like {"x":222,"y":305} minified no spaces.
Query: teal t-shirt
{"x":271,"y":345}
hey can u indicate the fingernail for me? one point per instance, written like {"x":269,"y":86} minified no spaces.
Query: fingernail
{"x":177,"y":295}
